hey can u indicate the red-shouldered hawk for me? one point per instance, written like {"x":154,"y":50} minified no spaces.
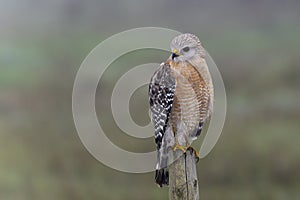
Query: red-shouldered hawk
{"x":181,"y":97}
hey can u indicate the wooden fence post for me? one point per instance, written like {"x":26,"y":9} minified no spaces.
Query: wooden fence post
{"x":183,"y":183}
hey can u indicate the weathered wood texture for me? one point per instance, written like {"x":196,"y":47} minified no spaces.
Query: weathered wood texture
{"x":183,"y":183}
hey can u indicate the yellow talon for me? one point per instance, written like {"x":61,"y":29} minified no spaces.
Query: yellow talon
{"x":182,"y":148}
{"x":195,"y":151}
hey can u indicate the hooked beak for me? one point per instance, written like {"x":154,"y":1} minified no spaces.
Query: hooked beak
{"x":175,"y":54}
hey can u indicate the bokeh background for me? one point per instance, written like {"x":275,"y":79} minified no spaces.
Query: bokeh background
{"x":255,"y":44}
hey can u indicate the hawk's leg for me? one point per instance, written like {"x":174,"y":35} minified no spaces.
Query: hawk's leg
{"x":185,"y":148}
{"x":177,"y":145}
{"x":192,"y":149}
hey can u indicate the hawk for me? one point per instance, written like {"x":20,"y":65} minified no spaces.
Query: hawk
{"x":181,"y":100}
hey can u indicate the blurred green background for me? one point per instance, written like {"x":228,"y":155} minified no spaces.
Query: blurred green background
{"x":255,"y":44}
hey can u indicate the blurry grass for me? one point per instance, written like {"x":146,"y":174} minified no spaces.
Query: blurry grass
{"x":253,"y":162}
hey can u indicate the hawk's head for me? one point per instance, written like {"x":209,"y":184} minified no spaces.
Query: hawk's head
{"x":186,"y":47}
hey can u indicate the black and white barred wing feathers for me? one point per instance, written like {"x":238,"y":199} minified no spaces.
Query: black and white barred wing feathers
{"x":161,"y":97}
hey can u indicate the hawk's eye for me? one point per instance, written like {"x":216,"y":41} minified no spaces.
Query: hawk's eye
{"x":186,"y":49}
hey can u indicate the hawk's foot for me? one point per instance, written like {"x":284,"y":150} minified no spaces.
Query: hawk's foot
{"x":192,"y":149}
{"x":182,"y":148}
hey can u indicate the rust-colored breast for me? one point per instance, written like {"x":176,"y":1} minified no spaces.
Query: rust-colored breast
{"x":191,"y":96}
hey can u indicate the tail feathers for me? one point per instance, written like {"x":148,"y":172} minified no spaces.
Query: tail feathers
{"x":162,"y":177}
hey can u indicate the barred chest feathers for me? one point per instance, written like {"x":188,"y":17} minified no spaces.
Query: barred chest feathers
{"x":191,"y":101}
